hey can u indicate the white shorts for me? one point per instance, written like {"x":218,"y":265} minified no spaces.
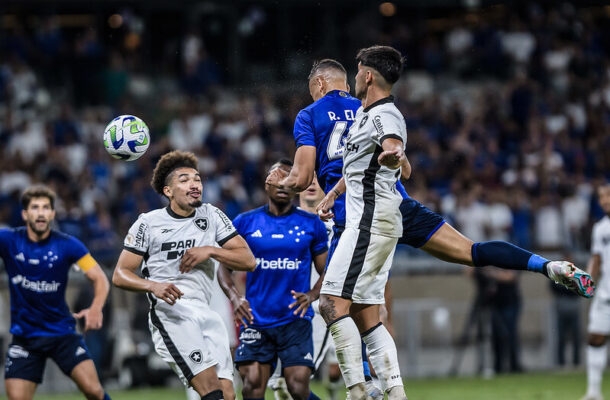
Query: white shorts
{"x":599,"y":316}
{"x":359,"y":267}
{"x":191,"y":338}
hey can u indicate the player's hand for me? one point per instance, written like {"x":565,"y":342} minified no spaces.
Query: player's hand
{"x":302,"y":302}
{"x":242,"y":312}
{"x":193,"y":257}
{"x":392,"y":158}
{"x":275,"y":177}
{"x":324,"y":208}
{"x":93,"y":318}
{"x":167,"y":292}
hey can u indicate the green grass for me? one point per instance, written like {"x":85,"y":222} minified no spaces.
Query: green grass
{"x":527,"y":386}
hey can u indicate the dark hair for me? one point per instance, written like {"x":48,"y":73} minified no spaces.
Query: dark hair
{"x":168,"y":163}
{"x":37,"y":191}
{"x":282,"y":161}
{"x":384,"y":59}
{"x":324,"y":64}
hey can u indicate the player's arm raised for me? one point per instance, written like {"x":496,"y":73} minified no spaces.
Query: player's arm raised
{"x":393,"y":154}
{"x":126,"y":277}
{"x":301,"y":173}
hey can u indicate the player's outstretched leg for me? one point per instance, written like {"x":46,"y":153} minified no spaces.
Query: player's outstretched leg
{"x":567,"y":274}
{"x":508,"y":256}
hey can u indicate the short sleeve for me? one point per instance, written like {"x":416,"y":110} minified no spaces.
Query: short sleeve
{"x":303,"y":129}
{"x":224,"y":227}
{"x":138,"y":237}
{"x":320,"y":242}
{"x":388,"y":125}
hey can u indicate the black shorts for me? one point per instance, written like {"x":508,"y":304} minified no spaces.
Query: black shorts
{"x":26,"y":357}
{"x":291,"y":343}
{"x":419,"y":223}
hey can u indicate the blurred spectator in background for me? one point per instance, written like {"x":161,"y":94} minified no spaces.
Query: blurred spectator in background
{"x":505,"y":312}
{"x":567,"y":309}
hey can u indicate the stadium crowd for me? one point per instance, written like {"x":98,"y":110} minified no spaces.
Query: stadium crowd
{"x":507,"y":115}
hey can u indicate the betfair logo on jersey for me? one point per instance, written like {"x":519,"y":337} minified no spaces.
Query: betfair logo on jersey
{"x":35,"y":286}
{"x":280,"y":263}
{"x":177,"y":249}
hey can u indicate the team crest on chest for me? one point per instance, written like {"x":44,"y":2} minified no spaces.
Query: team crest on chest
{"x":364,"y":119}
{"x":202,"y":223}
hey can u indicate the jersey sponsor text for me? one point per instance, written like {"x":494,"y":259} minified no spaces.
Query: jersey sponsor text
{"x":35,"y":286}
{"x":279,"y":263}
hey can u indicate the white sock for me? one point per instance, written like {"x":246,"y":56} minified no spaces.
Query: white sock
{"x":349,"y":350}
{"x":383,"y":356}
{"x":596,"y":362}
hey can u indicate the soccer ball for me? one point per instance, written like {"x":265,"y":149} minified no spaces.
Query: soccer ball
{"x":126,"y":138}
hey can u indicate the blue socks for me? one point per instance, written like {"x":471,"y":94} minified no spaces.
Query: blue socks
{"x":507,"y":256}
{"x":365,"y":364}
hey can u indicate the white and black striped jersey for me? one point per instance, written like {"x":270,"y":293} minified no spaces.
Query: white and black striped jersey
{"x":161,"y":237}
{"x":600,"y":244}
{"x":372,"y":201}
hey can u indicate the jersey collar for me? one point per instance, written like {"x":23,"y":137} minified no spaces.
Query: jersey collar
{"x":389,"y":99}
{"x":177,"y":216}
{"x":292,"y":208}
{"x":337,"y":92}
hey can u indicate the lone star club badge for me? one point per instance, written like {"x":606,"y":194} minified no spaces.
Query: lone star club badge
{"x":202,"y":223}
{"x":196,"y":356}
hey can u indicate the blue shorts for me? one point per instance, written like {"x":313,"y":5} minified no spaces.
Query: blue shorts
{"x":291,"y":343}
{"x":26,"y":357}
{"x":419,"y":223}
{"x":334,"y":241}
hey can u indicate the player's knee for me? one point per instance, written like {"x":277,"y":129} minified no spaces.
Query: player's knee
{"x":327,"y":309}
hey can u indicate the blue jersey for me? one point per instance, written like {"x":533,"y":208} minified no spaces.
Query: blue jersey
{"x":37,"y":277}
{"x":284,"y":247}
{"x":324,"y":124}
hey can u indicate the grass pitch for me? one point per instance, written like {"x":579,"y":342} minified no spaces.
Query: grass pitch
{"x":526,"y":386}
